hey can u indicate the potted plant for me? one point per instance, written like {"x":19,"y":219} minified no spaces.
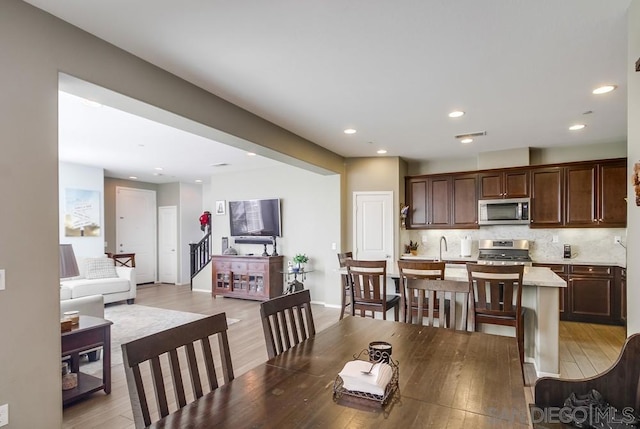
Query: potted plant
{"x":412,"y":247}
{"x":299,"y":260}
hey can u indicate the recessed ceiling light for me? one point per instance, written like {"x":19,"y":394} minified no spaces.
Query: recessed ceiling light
{"x":133,"y":177}
{"x":466,"y":140}
{"x":604,"y":89}
{"x":158,"y":168}
{"x":382,"y":151}
{"x":251,"y":154}
{"x":577,"y":127}
{"x":198,"y":181}
{"x":456,"y":114}
{"x":350,"y":131}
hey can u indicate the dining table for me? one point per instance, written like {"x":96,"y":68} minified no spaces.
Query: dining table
{"x":446,"y":379}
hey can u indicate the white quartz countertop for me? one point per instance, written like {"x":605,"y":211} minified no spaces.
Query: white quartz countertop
{"x":533,"y":276}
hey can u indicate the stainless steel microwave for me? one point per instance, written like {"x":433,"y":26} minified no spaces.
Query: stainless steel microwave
{"x":513,"y":211}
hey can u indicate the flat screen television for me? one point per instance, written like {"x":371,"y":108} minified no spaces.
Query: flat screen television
{"x":255,"y":218}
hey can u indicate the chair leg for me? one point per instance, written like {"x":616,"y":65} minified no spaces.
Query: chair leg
{"x":396,"y":313}
{"x":344,"y":302}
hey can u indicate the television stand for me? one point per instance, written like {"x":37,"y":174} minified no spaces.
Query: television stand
{"x":247,"y":277}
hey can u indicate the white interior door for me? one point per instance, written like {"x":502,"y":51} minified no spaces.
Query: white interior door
{"x":136,"y":229}
{"x":168,"y":244}
{"x":373,"y":227}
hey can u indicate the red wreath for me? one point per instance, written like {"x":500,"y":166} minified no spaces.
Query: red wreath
{"x":205,"y":220}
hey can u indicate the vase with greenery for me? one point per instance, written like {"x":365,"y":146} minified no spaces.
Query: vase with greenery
{"x":412,"y":247}
{"x":299,"y":260}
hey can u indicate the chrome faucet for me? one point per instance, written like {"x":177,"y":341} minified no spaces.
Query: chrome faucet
{"x":445,"y":247}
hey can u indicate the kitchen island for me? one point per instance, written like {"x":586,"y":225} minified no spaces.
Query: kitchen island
{"x":541,"y":298}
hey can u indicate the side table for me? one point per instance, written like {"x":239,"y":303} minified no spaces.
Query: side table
{"x":295,"y":285}
{"x":89,"y":333}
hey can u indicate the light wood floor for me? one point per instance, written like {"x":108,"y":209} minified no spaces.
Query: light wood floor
{"x":585,"y":349}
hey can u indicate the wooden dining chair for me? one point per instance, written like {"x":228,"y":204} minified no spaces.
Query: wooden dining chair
{"x":436,"y":295}
{"x":497,"y":295}
{"x":169,"y":342}
{"x":346,"y":286}
{"x":418,"y":270}
{"x":369,"y":289}
{"x":287,"y":320}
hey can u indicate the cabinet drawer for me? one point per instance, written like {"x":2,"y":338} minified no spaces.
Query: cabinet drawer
{"x":239,"y":266}
{"x":597,"y":270}
{"x":256,"y":267}
{"x":556,"y":268}
{"x":223,"y":266}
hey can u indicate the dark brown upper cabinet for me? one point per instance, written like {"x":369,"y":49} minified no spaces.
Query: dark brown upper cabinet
{"x":504,"y":184}
{"x":595,"y":194}
{"x":442,"y":201}
{"x":546,"y":197}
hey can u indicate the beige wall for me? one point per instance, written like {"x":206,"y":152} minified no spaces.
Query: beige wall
{"x":310,"y":208}
{"x":633,"y":151}
{"x":35,"y":47}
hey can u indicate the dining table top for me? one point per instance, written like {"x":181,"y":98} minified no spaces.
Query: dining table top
{"x":452,"y":379}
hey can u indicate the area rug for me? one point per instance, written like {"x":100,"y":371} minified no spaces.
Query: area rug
{"x":136,"y":321}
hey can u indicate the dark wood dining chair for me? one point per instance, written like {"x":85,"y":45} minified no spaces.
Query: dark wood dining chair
{"x":346,"y":286}
{"x":369,"y":289}
{"x":618,"y":385}
{"x":287,"y":320}
{"x":418,"y":270}
{"x":497,"y":294}
{"x":439,"y":294}
{"x":169,"y":342}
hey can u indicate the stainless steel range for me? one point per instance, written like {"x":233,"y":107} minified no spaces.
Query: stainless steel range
{"x":504,"y":252}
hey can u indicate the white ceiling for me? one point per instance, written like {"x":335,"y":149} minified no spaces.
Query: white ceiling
{"x":522,"y":70}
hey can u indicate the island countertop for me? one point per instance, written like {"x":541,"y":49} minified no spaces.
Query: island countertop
{"x":533,"y":276}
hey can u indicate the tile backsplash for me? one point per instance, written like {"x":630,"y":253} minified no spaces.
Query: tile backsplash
{"x":587,"y":244}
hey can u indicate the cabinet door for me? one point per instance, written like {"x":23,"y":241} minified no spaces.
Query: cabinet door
{"x":546,"y":197}
{"x":612,"y":194}
{"x":439,"y":202}
{"x":580,"y":194}
{"x":516,"y":184}
{"x":465,"y":201}
{"x":491,"y":185}
{"x":591,"y":299}
{"x":416,"y":189}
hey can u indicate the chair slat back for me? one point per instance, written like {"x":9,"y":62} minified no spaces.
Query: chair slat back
{"x":497,"y":289}
{"x":152,"y":347}
{"x":417,"y":270}
{"x":440,"y":295}
{"x":368,"y":280}
{"x":287,"y":320}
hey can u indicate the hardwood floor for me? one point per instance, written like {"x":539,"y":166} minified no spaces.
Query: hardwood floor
{"x":585,"y":349}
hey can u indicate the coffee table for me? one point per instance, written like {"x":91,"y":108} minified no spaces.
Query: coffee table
{"x":89,"y":333}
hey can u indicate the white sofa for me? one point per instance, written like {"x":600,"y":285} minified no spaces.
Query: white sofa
{"x":120,"y":288}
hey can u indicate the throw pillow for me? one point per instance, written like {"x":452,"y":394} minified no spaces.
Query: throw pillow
{"x":100,"y":268}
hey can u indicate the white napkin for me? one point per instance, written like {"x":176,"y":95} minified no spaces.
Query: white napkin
{"x":374,"y":383}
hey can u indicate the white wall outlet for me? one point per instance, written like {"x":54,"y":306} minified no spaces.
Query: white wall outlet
{"x":2,"y":279}
{"x":616,"y":239}
{"x":424,"y":239}
{"x":4,"y":414}
{"x":555,"y":239}
{"x":334,"y":246}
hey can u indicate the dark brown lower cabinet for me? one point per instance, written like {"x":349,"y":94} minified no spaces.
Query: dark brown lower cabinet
{"x":593,"y":294}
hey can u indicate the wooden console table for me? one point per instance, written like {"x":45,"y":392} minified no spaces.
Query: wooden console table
{"x":247,"y":277}
{"x":90,"y":332}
